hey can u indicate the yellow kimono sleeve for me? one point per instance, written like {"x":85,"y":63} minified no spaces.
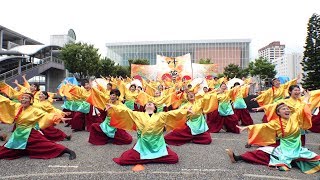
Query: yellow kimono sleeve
{"x":98,"y":99}
{"x":26,"y":84}
{"x":123,"y":118}
{"x":314,"y":99}
{"x":8,"y":90}
{"x":245,"y":91}
{"x":122,"y":89}
{"x":79,"y":92}
{"x":47,"y":119}
{"x":143,"y":98}
{"x":303,"y":115}
{"x":265,"y":98}
{"x":150,"y":90}
{"x":176,"y":100}
{"x":270,"y":110}
{"x":209,"y":103}
{"x":8,"y":110}
{"x":263,"y":134}
{"x":289,"y":83}
{"x":164,"y":99}
{"x":175,"y":119}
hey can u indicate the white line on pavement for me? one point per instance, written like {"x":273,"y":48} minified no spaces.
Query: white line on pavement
{"x":267,"y":177}
{"x":58,"y":166}
{"x":86,"y":172}
{"x":205,"y":170}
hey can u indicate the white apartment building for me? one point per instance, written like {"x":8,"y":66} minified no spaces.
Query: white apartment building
{"x":272,"y":51}
{"x":289,"y":65}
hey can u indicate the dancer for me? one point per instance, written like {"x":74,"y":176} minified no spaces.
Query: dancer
{"x":150,"y":147}
{"x":196,"y":126}
{"x":102,"y":133}
{"x":51,"y":133}
{"x":239,"y":105}
{"x":225,"y":117}
{"x":25,"y":140}
{"x":289,"y":152}
{"x":274,"y":94}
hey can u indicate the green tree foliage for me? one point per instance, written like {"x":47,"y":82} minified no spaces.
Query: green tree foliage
{"x":106,"y":68}
{"x":81,"y":58}
{"x":205,"y":61}
{"x":233,"y":70}
{"x":262,"y":68}
{"x":121,"y":71}
{"x":220,"y":75}
{"x":139,"y":61}
{"x":311,"y":55}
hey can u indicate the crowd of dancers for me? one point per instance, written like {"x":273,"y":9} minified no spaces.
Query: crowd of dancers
{"x":170,"y":111}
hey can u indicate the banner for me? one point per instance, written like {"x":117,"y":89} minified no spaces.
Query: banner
{"x":203,"y":70}
{"x":175,"y":66}
{"x":145,"y":71}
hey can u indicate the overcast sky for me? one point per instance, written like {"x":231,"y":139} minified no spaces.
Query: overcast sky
{"x":99,"y":21}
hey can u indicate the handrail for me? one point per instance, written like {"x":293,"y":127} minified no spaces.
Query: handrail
{"x":29,"y":66}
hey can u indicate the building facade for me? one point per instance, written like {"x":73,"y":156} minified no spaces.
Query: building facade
{"x":63,"y":39}
{"x":272,"y":51}
{"x":10,"y":39}
{"x":221,"y":52}
{"x":289,"y":65}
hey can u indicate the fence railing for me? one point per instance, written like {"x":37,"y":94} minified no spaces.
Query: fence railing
{"x":28,"y":67}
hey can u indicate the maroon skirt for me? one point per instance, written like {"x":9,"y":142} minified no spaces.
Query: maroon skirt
{"x":216,"y":122}
{"x":38,"y":147}
{"x":244,"y":116}
{"x":68,"y":122}
{"x":132,"y":157}
{"x":256,"y":157}
{"x":54,"y":134}
{"x":90,"y":119}
{"x":315,"y":123}
{"x":78,"y":121}
{"x":179,"y":137}
{"x":98,"y":137}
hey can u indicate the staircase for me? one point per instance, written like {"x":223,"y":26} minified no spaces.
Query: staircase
{"x":32,"y":69}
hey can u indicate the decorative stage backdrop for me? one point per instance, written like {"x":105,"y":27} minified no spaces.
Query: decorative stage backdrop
{"x":173,"y":67}
{"x":145,"y":71}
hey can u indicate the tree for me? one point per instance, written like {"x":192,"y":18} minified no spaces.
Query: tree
{"x":122,"y":71}
{"x":262,"y":68}
{"x":311,"y":56}
{"x":205,"y":61}
{"x":81,"y":58}
{"x":233,"y":70}
{"x":106,"y":68}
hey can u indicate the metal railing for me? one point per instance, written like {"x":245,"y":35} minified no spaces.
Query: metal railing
{"x":28,"y":67}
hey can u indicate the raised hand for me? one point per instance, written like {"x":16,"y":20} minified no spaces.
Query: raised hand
{"x":256,"y":109}
{"x":242,"y":128}
{"x":253,"y":99}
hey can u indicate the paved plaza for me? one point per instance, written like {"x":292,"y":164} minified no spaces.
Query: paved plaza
{"x":195,"y":161}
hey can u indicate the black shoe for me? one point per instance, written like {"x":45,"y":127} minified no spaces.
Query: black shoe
{"x":247,"y":146}
{"x":68,"y":138}
{"x":3,"y":137}
{"x":72,"y":155}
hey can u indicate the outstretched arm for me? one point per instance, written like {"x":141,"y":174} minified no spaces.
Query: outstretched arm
{"x":122,"y":117}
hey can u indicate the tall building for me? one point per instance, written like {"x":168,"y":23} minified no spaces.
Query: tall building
{"x":289,"y":65}
{"x":222,"y":52}
{"x":63,"y":39}
{"x":272,"y":51}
